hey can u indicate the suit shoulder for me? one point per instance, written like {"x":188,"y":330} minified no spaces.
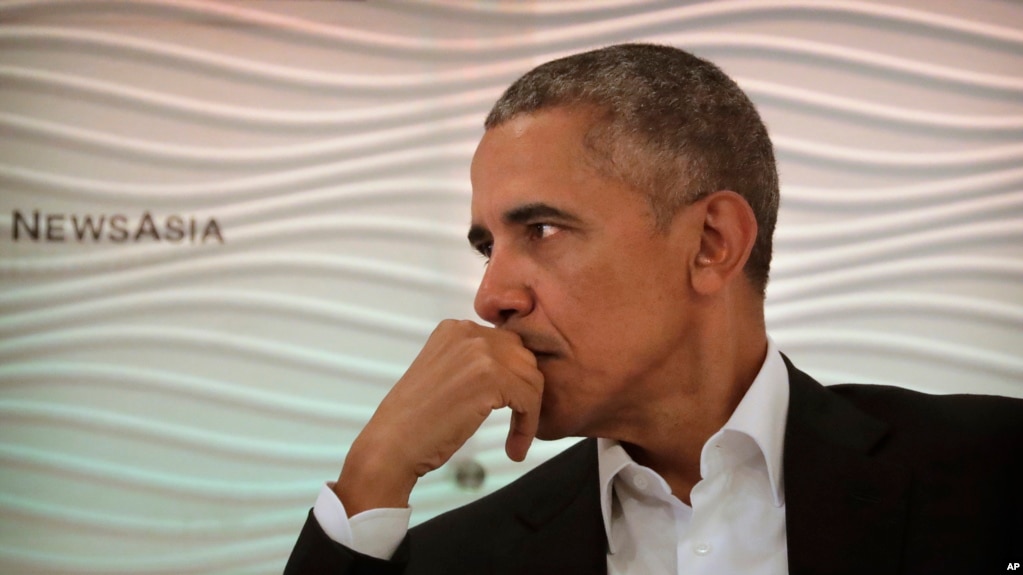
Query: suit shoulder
{"x":887,"y":398}
{"x":960,"y":418}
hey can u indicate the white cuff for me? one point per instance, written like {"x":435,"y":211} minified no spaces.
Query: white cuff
{"x":376,"y":532}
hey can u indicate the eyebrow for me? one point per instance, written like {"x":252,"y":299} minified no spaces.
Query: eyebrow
{"x":537,"y":211}
{"x":524,"y":214}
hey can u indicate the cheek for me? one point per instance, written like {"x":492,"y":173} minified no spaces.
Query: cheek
{"x":628,"y":310}
{"x":620,"y":288}
{"x":604,"y":295}
{"x":598,"y":313}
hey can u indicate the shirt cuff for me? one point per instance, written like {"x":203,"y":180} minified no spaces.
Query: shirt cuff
{"x":376,"y":532}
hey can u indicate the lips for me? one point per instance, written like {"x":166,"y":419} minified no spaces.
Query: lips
{"x":541,"y":346}
{"x":542,"y":355}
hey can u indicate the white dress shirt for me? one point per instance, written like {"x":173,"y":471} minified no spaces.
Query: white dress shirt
{"x":736,"y":523}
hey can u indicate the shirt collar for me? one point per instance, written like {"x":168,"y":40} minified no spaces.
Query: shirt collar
{"x":760,"y":415}
{"x":611,"y":459}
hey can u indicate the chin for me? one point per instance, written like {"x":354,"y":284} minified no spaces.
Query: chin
{"x":549,"y":435}
{"x":554,"y":425}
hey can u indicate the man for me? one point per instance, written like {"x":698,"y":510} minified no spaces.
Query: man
{"x":625,"y":200}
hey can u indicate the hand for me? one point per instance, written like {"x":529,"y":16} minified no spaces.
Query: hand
{"x":464,"y":372}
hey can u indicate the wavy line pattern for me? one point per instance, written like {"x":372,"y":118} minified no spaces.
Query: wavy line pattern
{"x":192,"y":396}
{"x":118,"y":94}
{"x":197,"y":156}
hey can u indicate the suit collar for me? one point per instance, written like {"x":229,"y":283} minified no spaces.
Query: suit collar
{"x":559,"y":510}
{"x":565,"y":483}
{"x":846,"y":503}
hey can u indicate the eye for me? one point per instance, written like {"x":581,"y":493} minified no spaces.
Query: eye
{"x":485,"y":249}
{"x":541,"y":231}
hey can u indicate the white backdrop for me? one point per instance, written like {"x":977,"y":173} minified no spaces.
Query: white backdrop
{"x":171,"y":405}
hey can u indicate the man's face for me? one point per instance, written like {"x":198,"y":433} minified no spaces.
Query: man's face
{"x":578,"y":269}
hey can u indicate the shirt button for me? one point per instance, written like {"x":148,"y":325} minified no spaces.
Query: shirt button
{"x":639,"y":481}
{"x":702,"y":549}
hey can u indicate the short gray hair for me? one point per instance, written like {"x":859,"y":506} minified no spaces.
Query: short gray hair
{"x":669,"y":124}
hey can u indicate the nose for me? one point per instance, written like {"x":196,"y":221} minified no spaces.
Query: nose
{"x":502,"y":293}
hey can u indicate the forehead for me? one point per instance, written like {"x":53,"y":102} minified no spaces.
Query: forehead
{"x":539,"y":157}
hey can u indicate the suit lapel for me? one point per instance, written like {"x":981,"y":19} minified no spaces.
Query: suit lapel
{"x":845,"y":503}
{"x":562,"y":526}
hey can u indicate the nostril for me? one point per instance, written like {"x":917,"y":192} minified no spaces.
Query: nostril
{"x":506,"y":314}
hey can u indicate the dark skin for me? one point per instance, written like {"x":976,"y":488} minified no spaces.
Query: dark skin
{"x":604,"y":324}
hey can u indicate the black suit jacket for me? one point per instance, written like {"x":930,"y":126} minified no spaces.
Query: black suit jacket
{"x":878,"y":480}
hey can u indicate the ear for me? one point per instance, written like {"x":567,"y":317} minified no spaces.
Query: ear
{"x":729,"y":231}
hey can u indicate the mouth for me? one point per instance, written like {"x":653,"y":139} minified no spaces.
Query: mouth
{"x":542,"y":355}
{"x":543,"y":348}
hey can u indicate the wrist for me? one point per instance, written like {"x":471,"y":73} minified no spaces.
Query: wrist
{"x":371,"y":480}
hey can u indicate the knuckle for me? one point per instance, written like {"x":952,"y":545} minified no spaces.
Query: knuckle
{"x":464,"y":325}
{"x":446,"y":325}
{"x":450,"y":324}
{"x":482,"y":365}
{"x":442,"y":328}
{"x":478,"y":350}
